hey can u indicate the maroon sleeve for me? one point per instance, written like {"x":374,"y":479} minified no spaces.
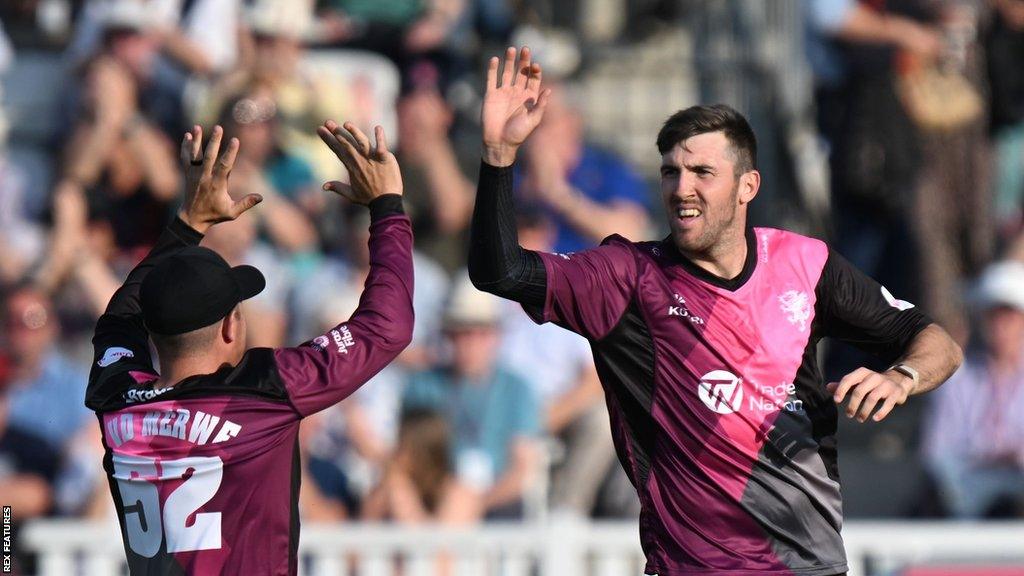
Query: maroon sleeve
{"x":588,"y":291}
{"x":325,"y":370}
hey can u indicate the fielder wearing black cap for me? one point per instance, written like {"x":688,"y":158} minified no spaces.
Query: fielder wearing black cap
{"x":212,"y":433}
{"x":194,"y":288}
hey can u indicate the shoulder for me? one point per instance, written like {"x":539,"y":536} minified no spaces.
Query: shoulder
{"x":775,"y":240}
{"x":790,"y":251}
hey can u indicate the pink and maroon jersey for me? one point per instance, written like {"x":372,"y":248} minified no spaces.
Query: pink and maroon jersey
{"x":205,"y":472}
{"x":720,"y":415}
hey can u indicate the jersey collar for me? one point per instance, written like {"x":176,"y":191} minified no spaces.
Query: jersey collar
{"x":731,"y":284}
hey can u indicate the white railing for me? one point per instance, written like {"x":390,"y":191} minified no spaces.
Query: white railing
{"x":558,"y":548}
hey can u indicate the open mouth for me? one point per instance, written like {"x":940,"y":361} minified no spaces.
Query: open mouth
{"x":686,"y":213}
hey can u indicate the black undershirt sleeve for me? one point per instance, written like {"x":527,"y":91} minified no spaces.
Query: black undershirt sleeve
{"x":497,"y":263}
{"x":856,"y":309}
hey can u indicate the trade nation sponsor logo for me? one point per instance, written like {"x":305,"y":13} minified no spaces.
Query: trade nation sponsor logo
{"x":722,"y":392}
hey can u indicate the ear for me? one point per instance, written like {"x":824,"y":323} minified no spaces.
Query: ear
{"x":229,"y":327}
{"x":750,"y":183}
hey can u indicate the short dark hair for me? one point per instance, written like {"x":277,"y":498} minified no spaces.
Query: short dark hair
{"x":185,"y":344}
{"x":697,"y":120}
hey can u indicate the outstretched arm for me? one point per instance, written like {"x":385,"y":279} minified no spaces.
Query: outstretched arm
{"x":328,"y":368}
{"x":512,"y":110}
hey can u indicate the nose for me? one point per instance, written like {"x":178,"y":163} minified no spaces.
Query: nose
{"x":685,"y":186}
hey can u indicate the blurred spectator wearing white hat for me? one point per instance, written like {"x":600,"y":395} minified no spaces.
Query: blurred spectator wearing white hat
{"x":493,"y":413}
{"x":974,"y":438}
{"x":200,"y":37}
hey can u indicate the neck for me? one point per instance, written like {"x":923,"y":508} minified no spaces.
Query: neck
{"x":473,"y":373}
{"x":177,"y":369}
{"x":725,"y":258}
{"x":1006,"y":364}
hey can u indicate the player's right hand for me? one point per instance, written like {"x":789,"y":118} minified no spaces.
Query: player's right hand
{"x":372,"y":172}
{"x":207,"y":201}
{"x":513,"y":106}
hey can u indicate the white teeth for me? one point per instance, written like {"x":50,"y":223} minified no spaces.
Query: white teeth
{"x":689,"y":213}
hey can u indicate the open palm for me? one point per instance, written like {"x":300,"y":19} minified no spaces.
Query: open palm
{"x":513,"y":106}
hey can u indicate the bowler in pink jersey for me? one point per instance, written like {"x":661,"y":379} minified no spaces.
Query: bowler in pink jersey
{"x":202,"y":458}
{"x":706,"y":344}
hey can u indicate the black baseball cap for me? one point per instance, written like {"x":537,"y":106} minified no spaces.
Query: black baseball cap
{"x":194,"y":288}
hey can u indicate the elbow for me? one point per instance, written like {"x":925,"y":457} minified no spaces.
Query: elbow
{"x":477,"y":275}
{"x":399,"y":335}
{"x":404,"y":338}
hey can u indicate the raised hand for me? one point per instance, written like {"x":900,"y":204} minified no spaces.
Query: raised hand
{"x":514,"y":104}
{"x":372,"y":171}
{"x":207,"y":201}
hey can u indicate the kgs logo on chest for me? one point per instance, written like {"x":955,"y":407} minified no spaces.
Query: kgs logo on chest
{"x":681,"y":310}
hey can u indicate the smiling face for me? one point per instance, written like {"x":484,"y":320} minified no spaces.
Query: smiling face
{"x":704,"y":197}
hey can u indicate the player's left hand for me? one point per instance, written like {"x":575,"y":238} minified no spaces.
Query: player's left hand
{"x":866,"y":388}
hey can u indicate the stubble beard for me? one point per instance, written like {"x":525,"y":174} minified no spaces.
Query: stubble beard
{"x":716,"y":225}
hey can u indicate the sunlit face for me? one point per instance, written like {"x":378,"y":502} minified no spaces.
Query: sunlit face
{"x":1004,"y":331}
{"x":30,"y":324}
{"x":474,"y":349}
{"x":704,"y":198}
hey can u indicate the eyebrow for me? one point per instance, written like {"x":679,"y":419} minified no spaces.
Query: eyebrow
{"x":695,"y":167}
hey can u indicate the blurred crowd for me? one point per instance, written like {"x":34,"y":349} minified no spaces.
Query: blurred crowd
{"x":918,"y":109}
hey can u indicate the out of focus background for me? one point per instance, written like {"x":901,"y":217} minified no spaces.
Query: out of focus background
{"x":894,"y":129}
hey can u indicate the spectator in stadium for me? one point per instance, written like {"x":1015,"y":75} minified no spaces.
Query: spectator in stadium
{"x":590,"y":193}
{"x":116,"y":154}
{"x":275,"y":34}
{"x":28,"y":462}
{"x":952,"y":213}
{"x":419,"y":485}
{"x":45,"y":385}
{"x":412,"y":33}
{"x":974,"y":435}
{"x":29,"y":27}
{"x":851,"y":46}
{"x":22,"y":237}
{"x":194,"y":37}
{"x":443,"y":202}
{"x":560,"y":369}
{"x":253,"y":118}
{"x":28,"y":466}
{"x":493,"y":412}
{"x":1004,"y":47}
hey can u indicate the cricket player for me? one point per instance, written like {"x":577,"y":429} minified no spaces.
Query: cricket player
{"x":706,"y":341}
{"x":202,"y":457}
